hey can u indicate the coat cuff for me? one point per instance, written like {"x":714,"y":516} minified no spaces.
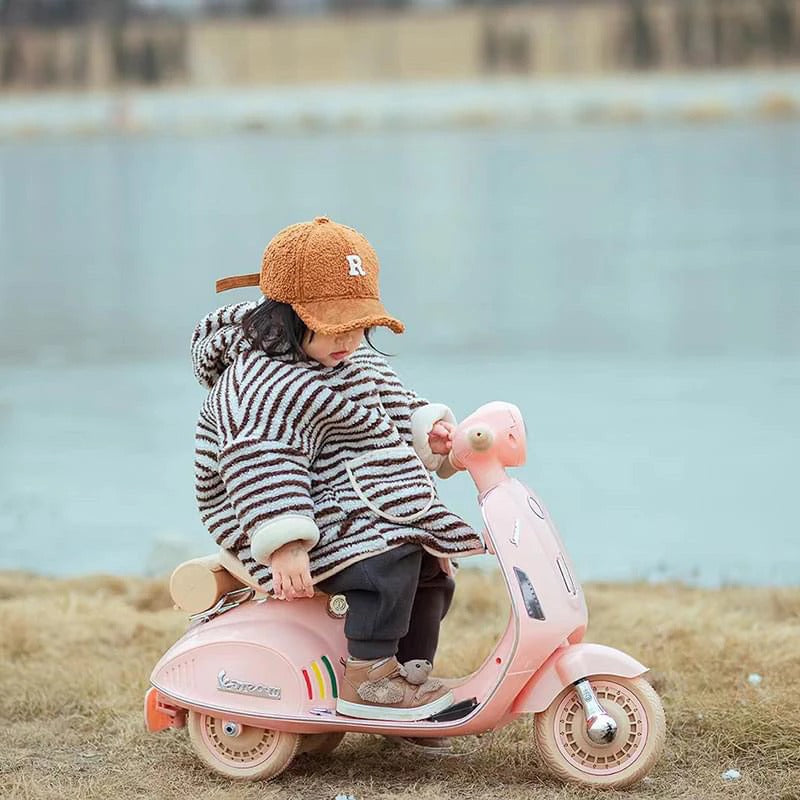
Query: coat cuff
{"x":422,"y":421}
{"x":267,"y":538}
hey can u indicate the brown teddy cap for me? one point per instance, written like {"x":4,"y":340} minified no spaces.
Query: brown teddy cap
{"x":327,"y":272}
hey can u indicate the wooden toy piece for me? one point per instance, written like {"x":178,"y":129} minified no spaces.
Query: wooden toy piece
{"x":196,"y":585}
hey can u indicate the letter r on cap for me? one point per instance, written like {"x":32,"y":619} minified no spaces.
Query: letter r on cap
{"x":355,"y":266}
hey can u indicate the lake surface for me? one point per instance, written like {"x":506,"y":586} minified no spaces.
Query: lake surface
{"x":635,"y":290}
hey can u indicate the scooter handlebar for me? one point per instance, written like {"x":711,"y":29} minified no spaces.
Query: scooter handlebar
{"x":490,"y":439}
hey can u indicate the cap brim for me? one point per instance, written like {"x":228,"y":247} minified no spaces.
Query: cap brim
{"x":328,"y":317}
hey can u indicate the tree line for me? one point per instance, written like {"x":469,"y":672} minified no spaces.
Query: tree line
{"x":147,"y":44}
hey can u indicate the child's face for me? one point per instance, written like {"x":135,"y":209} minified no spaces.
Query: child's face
{"x":333,"y":349}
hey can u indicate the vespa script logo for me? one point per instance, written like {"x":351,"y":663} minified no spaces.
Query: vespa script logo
{"x":226,"y":684}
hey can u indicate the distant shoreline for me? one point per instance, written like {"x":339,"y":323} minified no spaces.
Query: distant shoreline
{"x":622,"y":99}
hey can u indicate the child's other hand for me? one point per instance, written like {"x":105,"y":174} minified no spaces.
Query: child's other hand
{"x":440,"y":439}
{"x":291,"y":575}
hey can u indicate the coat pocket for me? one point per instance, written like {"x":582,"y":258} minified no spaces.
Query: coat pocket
{"x":327,"y":510}
{"x":393,"y":483}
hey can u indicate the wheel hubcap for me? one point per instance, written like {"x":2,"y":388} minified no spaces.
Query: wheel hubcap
{"x":243,"y":748}
{"x":602,"y":759}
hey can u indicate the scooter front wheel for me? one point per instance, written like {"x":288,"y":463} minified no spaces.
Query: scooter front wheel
{"x":641,"y":729}
{"x":241,"y":751}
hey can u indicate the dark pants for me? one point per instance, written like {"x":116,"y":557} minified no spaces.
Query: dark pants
{"x":397,"y":600}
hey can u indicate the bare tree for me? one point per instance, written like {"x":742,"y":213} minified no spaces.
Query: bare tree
{"x":640,"y":39}
{"x":780,"y":29}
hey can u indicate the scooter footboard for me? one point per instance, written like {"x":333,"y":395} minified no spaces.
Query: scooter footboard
{"x":570,"y":664}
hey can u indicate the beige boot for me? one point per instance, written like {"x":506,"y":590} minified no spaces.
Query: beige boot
{"x":378,"y":690}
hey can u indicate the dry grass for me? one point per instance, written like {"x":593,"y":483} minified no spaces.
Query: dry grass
{"x":75,"y":656}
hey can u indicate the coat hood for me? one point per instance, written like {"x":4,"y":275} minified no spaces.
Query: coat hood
{"x":217,"y":340}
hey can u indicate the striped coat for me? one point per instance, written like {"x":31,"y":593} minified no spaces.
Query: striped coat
{"x":340,"y":451}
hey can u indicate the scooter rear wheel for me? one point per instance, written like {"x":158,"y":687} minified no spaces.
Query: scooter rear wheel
{"x":241,"y":751}
{"x":641,"y":730}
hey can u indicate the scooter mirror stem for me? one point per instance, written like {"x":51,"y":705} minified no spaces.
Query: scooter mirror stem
{"x":486,"y":474}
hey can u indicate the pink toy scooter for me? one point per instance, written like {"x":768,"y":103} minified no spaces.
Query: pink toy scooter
{"x":258,"y":683}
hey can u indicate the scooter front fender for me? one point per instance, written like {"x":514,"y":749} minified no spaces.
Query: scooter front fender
{"x":569,"y":664}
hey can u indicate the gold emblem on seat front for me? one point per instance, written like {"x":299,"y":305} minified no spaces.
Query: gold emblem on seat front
{"x":337,"y":606}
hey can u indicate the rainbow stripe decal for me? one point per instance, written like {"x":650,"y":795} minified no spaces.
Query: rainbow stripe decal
{"x":315,"y":680}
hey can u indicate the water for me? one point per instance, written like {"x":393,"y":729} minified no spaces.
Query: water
{"x":635,"y":290}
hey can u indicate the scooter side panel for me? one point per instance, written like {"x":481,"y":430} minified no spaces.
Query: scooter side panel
{"x":235,"y":678}
{"x":268,"y":658}
{"x":570,"y":664}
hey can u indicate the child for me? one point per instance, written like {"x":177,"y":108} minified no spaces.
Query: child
{"x":313,"y":461}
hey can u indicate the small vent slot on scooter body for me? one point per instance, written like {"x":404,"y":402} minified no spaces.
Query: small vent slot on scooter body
{"x":566,"y":575}
{"x":532,"y":604}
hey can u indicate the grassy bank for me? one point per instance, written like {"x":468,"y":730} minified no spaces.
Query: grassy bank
{"x":75,"y":656}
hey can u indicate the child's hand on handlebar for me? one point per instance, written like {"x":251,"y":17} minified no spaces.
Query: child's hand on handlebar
{"x":440,"y":439}
{"x":291,"y":575}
